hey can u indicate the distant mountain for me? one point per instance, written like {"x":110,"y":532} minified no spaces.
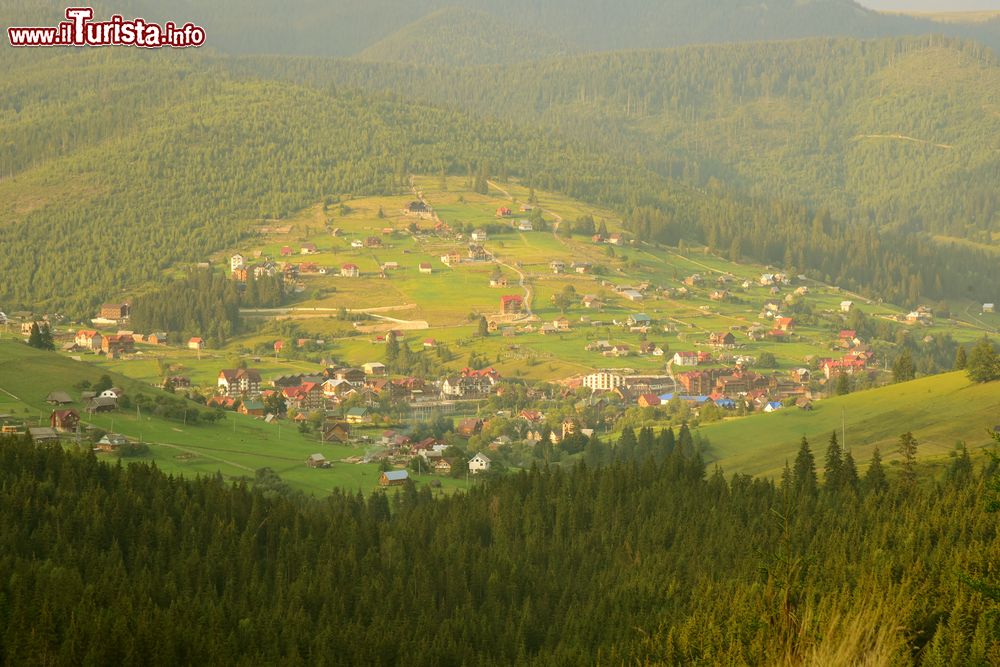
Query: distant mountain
{"x":457,"y":36}
{"x":347,"y":27}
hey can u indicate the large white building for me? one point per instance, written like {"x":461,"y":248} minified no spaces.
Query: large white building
{"x":603,"y":381}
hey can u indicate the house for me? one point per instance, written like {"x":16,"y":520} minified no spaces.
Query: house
{"x":286,"y":251}
{"x":58,"y":398}
{"x":451,"y":259}
{"x":648,"y":401}
{"x":591,"y":301}
{"x":357,"y":243}
{"x":116,"y":344}
{"x":632,"y":295}
{"x":525,"y":226}
{"x":360,"y":415}
{"x":479,"y":235}
{"x":557,"y":266}
{"x":237,"y":262}
{"x":308,"y":249}
{"x":686,"y":358}
{"x":498,"y":282}
{"x":561,"y":324}
{"x":603,"y":381}
{"x":390,"y":266}
{"x":772,"y":406}
{"x":504,"y":212}
{"x":158,"y":338}
{"x":88,"y":339}
{"x":616,"y":239}
{"x":582,"y":267}
{"x":239,"y":382}
{"x":417,"y":208}
{"x":719,"y":295}
{"x":511,"y":304}
{"x":102,"y":404}
{"x":252,"y":408}
{"x":469,"y":427}
{"x":479,"y":463}
{"x":111,"y":442}
{"x":374,"y":241}
{"x":43,"y":434}
{"x":195,"y":344}
{"x":442,"y":467}
{"x":337,"y":432}
{"x":317,"y":461}
{"x":64,"y":420}
{"x":784,"y":323}
{"x":639,"y":320}
{"x":430,"y":343}
{"x":722,"y":339}
{"x":845,"y":306}
{"x":988,"y":308}
{"x":425,"y":267}
{"x":307,"y":397}
{"x":477,"y":253}
{"x":350,"y":271}
{"x":393,"y":478}
{"x":375,"y":368}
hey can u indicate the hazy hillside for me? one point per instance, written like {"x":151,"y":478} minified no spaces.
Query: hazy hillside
{"x":456,"y":35}
{"x":345,"y":27}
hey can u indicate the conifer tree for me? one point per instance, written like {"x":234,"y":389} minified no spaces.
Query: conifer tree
{"x":804,"y":471}
{"x":902,"y":368}
{"x":908,"y":450}
{"x":849,"y":473}
{"x":834,"y":468}
{"x":875,"y":480}
{"x":961,"y":359}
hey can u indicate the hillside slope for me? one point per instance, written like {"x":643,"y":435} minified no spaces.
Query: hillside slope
{"x":939,"y":410}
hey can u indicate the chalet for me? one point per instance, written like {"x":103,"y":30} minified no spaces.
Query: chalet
{"x":582,"y":267}
{"x":238,"y":382}
{"x":58,"y":398}
{"x":598,"y":238}
{"x":548,"y":329}
{"x":357,"y":243}
{"x":317,"y":461}
{"x":531,"y":416}
{"x":616,"y":239}
{"x":451,"y":259}
{"x":223,"y":402}
{"x":350,"y":271}
{"x":337,"y":432}
{"x":511,"y":304}
{"x":988,"y":308}
{"x":685,"y":358}
{"x":252,"y":408}
{"x":88,"y":339}
{"x":845,"y":306}
{"x":373,"y":242}
{"x":648,"y":401}
{"x":425,"y":267}
{"x":557,"y":266}
{"x":498,"y":282}
{"x":43,"y":434}
{"x":237,"y":262}
{"x":442,"y":467}
{"x":479,"y":235}
{"x":561,"y":324}
{"x":286,"y":251}
{"x":240,"y":274}
{"x":639,"y":320}
{"x":374,"y":368}
{"x":430,"y":343}
{"x":722,"y":339}
{"x":195,"y":344}
{"x":632,"y":295}
{"x":592,"y":302}
{"x":360,"y":415}
{"x":469,"y":427}
{"x":111,"y":442}
{"x":477,"y":253}
{"x":504,"y":212}
{"x":355,"y":376}
{"x":773,"y":406}
{"x":308,"y":249}
{"x":525,"y":226}
{"x":116,"y":344}
{"x":479,"y":463}
{"x":620,"y":350}
{"x":393,"y":478}
{"x":719,"y":295}
{"x":784,"y":323}
{"x":64,"y":420}
{"x":417,"y":208}
{"x":158,"y":338}
{"x":390,"y":266}
{"x":102,"y":404}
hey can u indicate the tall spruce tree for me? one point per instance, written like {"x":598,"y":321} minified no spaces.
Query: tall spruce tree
{"x":875,"y":480}
{"x":834,"y":467}
{"x":804,"y":471}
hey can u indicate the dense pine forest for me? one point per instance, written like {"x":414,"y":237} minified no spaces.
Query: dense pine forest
{"x":631,"y":563}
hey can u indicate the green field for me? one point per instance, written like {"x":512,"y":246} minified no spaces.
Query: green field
{"x":940,"y":410}
{"x":235,"y":447}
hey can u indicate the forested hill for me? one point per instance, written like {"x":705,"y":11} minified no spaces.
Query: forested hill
{"x":904,"y":134}
{"x":347,"y":27}
{"x":455,"y":35}
{"x":650,"y":564}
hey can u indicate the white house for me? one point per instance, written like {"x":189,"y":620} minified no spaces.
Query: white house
{"x":237,"y":261}
{"x":350,"y":271}
{"x":478,"y":235}
{"x":686,"y":358}
{"x":479,"y":463}
{"x":988,"y":308}
{"x":845,"y":306}
{"x":374,"y":368}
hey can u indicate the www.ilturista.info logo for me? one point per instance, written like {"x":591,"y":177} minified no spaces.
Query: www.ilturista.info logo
{"x":79,"y":30}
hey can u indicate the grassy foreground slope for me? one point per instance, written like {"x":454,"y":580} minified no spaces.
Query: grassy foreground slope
{"x":940,"y":410}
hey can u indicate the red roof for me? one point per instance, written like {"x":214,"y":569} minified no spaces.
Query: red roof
{"x":350,"y":267}
{"x":511,"y":298}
